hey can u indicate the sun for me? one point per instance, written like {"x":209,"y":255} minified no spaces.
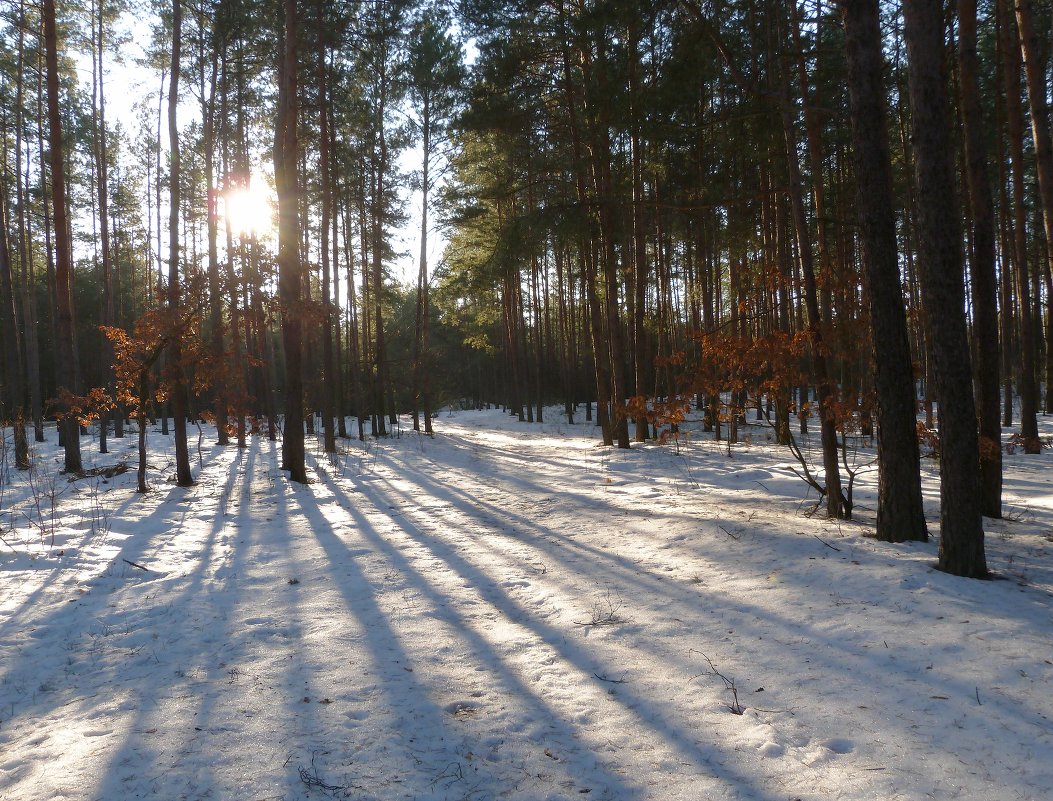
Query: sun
{"x":249,"y":210}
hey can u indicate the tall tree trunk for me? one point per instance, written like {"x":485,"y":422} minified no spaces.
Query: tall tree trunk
{"x":103,"y":194}
{"x":836,"y":505}
{"x":160,"y":256}
{"x":425,"y":305}
{"x":587,"y":251}
{"x":901,"y":515}
{"x":1011,"y":62}
{"x":1048,"y":408}
{"x":380,"y":367}
{"x":330,"y":379}
{"x":354,"y":351}
{"x":289,"y":267}
{"x":30,"y":322}
{"x":12,"y":403}
{"x":604,"y":181}
{"x":640,"y":361}
{"x":340,"y":374}
{"x":26,"y":282}
{"x":940,"y":260}
{"x":221,"y":391}
{"x":1034,"y":70}
{"x":179,"y":387}
{"x":65,"y":362}
{"x":982,"y":262}
{"x":421,"y":401}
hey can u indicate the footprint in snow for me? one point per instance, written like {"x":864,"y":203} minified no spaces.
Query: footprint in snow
{"x":839,"y":745}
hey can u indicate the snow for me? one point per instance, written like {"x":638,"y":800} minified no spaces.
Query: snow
{"x":508,"y":611}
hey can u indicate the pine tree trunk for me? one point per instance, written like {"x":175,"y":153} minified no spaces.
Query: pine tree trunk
{"x":421,"y":401}
{"x":26,"y":280}
{"x":901,"y":515}
{"x":208,"y":113}
{"x":1027,"y":388}
{"x":380,"y":348}
{"x":835,"y":501}
{"x":587,"y":255}
{"x":961,"y":549}
{"x":12,"y":403}
{"x":179,"y":387}
{"x":103,"y":194}
{"x":63,"y":316}
{"x":982,"y":264}
{"x":1034,"y":69}
{"x":330,"y":379}
{"x":609,"y":259}
{"x":289,"y":267}
{"x":340,"y":372}
{"x":162,"y":408}
{"x":639,"y":249}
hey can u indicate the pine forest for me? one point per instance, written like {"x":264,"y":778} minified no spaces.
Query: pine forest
{"x":529,"y":399}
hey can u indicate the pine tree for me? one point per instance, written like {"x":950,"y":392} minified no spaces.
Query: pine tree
{"x":942,"y":284}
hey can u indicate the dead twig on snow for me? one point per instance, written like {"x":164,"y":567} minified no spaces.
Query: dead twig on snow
{"x":604,"y":613}
{"x":729,"y":684}
{"x":824,"y":542}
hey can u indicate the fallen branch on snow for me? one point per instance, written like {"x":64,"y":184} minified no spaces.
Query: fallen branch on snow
{"x":729,"y":684}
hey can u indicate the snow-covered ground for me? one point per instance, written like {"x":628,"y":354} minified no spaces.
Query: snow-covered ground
{"x":509,"y":611}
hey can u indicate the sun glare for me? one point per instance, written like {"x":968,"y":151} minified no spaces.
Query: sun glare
{"x":249,"y":211}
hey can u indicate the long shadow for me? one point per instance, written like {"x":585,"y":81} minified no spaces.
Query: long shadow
{"x":523,"y":480}
{"x":484,"y":511}
{"x":633,"y":573}
{"x":743,"y":608}
{"x":111,"y":628}
{"x":383,"y":642}
{"x":204,"y":606}
{"x":552,"y":637}
{"x":548,"y":541}
{"x":303,"y":669}
{"x":68,"y":561}
{"x":132,"y":549}
{"x":727,"y":498}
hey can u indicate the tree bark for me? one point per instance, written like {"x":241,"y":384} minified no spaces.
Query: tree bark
{"x":901,"y":515}
{"x":836,"y":505}
{"x":103,"y":193}
{"x":29,"y":303}
{"x":961,"y":550}
{"x":421,"y":399}
{"x":179,"y":387}
{"x":12,"y":402}
{"x":1034,"y":70}
{"x":982,"y":263}
{"x":289,"y":267}
{"x":1021,"y":273}
{"x":330,"y":380}
{"x":65,"y":362}
{"x":221,"y":392}
{"x":639,"y":249}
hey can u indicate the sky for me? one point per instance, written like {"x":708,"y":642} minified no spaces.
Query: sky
{"x":128,"y":82}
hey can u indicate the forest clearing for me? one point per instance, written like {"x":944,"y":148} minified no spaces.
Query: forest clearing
{"x":507,"y":610}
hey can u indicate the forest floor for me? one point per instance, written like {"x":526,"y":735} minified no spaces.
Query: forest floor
{"x":508,"y":611}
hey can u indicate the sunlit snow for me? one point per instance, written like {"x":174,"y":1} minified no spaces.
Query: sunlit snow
{"x":509,"y":611}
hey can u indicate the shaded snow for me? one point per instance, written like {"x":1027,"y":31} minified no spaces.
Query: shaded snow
{"x":509,"y":611}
